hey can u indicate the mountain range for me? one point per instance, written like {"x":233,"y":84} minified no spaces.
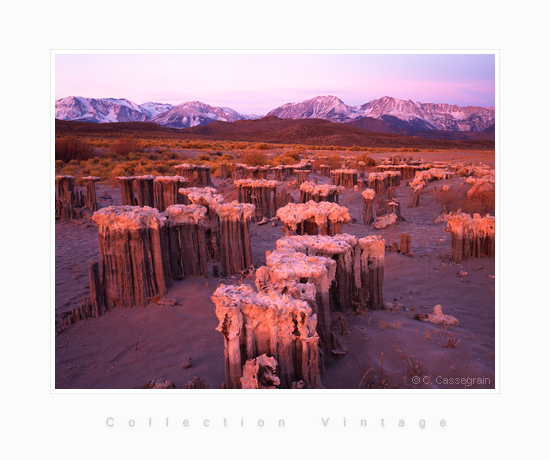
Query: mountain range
{"x":385,"y":114}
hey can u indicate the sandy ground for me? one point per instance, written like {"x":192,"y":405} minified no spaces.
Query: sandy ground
{"x":385,"y":349}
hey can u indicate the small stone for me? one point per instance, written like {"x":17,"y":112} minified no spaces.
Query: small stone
{"x":479,"y":267}
{"x":188,"y":364}
{"x":462,"y":274}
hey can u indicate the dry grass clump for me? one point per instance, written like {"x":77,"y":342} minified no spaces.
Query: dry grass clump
{"x":371,"y":381}
{"x":72,"y":148}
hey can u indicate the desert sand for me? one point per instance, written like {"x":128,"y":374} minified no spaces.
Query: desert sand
{"x":126,"y":347}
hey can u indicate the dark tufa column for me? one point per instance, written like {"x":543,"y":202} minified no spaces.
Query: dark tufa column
{"x":97,"y":296}
{"x":302,"y":175}
{"x":91,"y":200}
{"x":324,"y":170}
{"x":344,"y":177}
{"x":362,"y":167}
{"x":238,"y":171}
{"x":187,"y":240}
{"x":405,"y":246}
{"x":134,"y":248}
{"x":189,"y":172}
{"x":278,"y":173}
{"x":234,"y":236}
{"x":166,"y":191}
{"x":66,"y":199}
{"x":127,"y":189}
{"x":378,"y":182}
{"x":368,"y":200}
{"x":204,"y":178}
{"x":145,"y":190}
{"x":224,"y":172}
{"x":261,"y":193}
{"x":372,"y":271}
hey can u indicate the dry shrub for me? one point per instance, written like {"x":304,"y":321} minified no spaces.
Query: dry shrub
{"x":288,"y":158}
{"x":72,"y":148}
{"x":126,"y":145}
{"x":334,"y":161}
{"x":254,"y":159}
{"x":369,"y":161}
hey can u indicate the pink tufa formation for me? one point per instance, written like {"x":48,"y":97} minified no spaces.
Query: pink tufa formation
{"x":196,"y":175}
{"x":307,"y":278}
{"x":471,"y":236}
{"x":381,"y":181}
{"x":133,"y":243}
{"x":278,"y":326}
{"x":438,"y":317}
{"x":234,"y":236}
{"x":343,"y":177}
{"x":261,"y":193}
{"x":314,"y":192}
{"x":339,"y":248}
{"x":166,"y":189}
{"x":260,"y":374}
{"x":384,"y":221}
{"x":312,"y":218}
{"x":203,"y":196}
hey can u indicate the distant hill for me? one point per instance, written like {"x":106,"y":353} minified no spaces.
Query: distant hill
{"x":313,"y":131}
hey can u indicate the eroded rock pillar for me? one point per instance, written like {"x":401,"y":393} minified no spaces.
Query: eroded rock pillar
{"x":280,"y":327}
{"x":134,"y":248}
{"x":372,"y":271}
{"x":91,"y":200}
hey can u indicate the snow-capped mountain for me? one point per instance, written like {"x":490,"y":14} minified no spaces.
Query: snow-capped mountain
{"x":325,"y":107}
{"x":387,"y":114}
{"x":154,"y":109}
{"x":426,"y":116}
{"x":195,"y":113}
{"x":404,"y":115}
{"x":106,"y":110}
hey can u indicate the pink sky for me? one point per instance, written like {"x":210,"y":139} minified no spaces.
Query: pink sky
{"x":258,"y":83}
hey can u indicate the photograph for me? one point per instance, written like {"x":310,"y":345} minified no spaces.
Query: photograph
{"x":299,"y":221}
